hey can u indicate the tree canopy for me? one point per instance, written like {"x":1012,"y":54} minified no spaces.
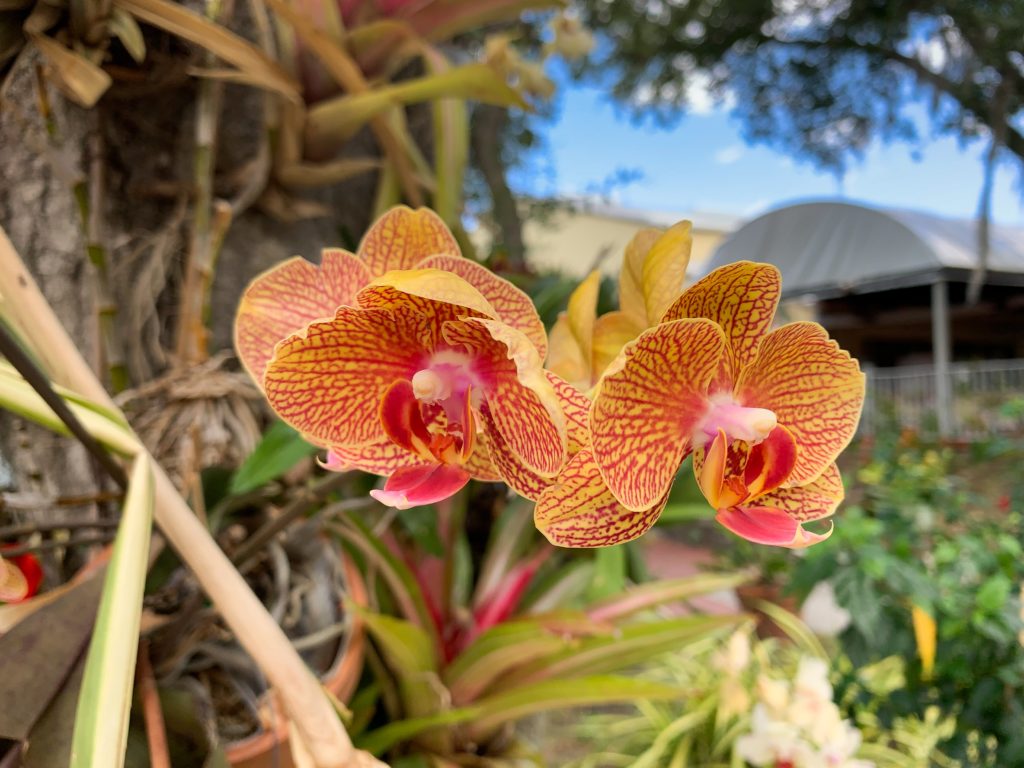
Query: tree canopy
{"x":822,"y":78}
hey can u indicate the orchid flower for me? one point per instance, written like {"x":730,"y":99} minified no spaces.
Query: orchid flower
{"x":403,"y":353}
{"x":20,"y":577}
{"x":764,"y":413}
{"x":653,"y":268}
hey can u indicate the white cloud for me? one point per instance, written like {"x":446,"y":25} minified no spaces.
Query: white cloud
{"x":729,"y":155}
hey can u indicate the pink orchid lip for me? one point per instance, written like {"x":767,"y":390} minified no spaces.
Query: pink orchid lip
{"x":739,"y":422}
{"x":448,"y":378}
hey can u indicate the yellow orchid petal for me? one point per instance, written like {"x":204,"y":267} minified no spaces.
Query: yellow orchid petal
{"x":402,"y":238}
{"x":287,"y":298}
{"x":740,"y":297}
{"x":400,"y":287}
{"x":631,"y":276}
{"x":581,"y":311}
{"x":814,"y":388}
{"x":565,"y":357}
{"x":926,"y":636}
{"x":328,"y":382}
{"x":510,"y":304}
{"x":665,"y":269}
{"x":523,"y":405}
{"x":13,"y":584}
{"x":580,"y":511}
{"x":648,"y":405}
{"x":612,"y":331}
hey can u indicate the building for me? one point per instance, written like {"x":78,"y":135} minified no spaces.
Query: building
{"x":578,"y":237}
{"x":891,"y":287}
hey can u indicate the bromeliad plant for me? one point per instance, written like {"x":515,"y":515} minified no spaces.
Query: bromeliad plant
{"x":409,"y":361}
{"x":464,"y":652}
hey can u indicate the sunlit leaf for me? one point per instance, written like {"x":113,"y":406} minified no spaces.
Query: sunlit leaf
{"x":333,"y":121}
{"x":657,"y":593}
{"x":125,"y":29}
{"x":280,"y":449}
{"x":81,"y":80}
{"x":104,"y":703}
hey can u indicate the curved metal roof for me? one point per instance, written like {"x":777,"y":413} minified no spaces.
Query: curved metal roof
{"x":832,"y":248}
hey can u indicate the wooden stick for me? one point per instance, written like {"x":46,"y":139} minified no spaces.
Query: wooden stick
{"x":315,"y":720}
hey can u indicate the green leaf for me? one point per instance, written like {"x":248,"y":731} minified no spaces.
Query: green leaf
{"x":17,"y":395}
{"x":104,"y":703}
{"x":621,"y":647}
{"x":333,"y":121}
{"x":610,"y":566}
{"x":410,"y":653}
{"x":657,"y":593}
{"x":126,"y":29}
{"x":400,"y":580}
{"x":992,"y":594}
{"x":499,"y":650}
{"x":280,"y":449}
{"x":494,"y":711}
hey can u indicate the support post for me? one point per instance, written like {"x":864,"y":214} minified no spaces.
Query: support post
{"x":941,"y":355}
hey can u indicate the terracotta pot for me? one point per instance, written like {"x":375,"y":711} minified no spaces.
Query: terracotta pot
{"x":750,"y":594}
{"x":269,"y":748}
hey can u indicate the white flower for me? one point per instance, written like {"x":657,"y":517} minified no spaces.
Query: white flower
{"x":822,"y":613}
{"x":736,"y":655}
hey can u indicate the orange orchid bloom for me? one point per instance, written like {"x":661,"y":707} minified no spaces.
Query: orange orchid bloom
{"x":396,"y":357}
{"x":764,"y":413}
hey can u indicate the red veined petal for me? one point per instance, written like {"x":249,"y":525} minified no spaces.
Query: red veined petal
{"x":815,"y":500}
{"x":518,"y":477}
{"x":523,"y":405}
{"x":510,"y":304}
{"x":380,"y":458}
{"x":580,"y":511}
{"x":740,"y":297}
{"x":480,"y":465}
{"x":815,"y":389}
{"x":732,"y":473}
{"x":648,"y":406}
{"x":766,"y":525}
{"x":402,"y":238}
{"x":402,"y":421}
{"x":576,"y":407}
{"x":329,"y":381}
{"x":287,"y":298}
{"x":416,"y":486}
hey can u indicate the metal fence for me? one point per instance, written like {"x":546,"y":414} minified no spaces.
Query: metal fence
{"x":988,"y":398}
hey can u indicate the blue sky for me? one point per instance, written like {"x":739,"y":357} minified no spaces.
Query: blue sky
{"x":703,"y":164}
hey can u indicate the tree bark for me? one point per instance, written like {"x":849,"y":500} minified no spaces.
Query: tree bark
{"x":488,"y":127}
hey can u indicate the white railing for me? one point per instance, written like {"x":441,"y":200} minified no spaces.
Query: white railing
{"x":988,"y":397}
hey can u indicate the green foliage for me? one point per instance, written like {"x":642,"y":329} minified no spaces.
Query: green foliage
{"x":472,"y":649}
{"x":280,"y":449}
{"x":723,"y":684}
{"x":920,"y":537}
